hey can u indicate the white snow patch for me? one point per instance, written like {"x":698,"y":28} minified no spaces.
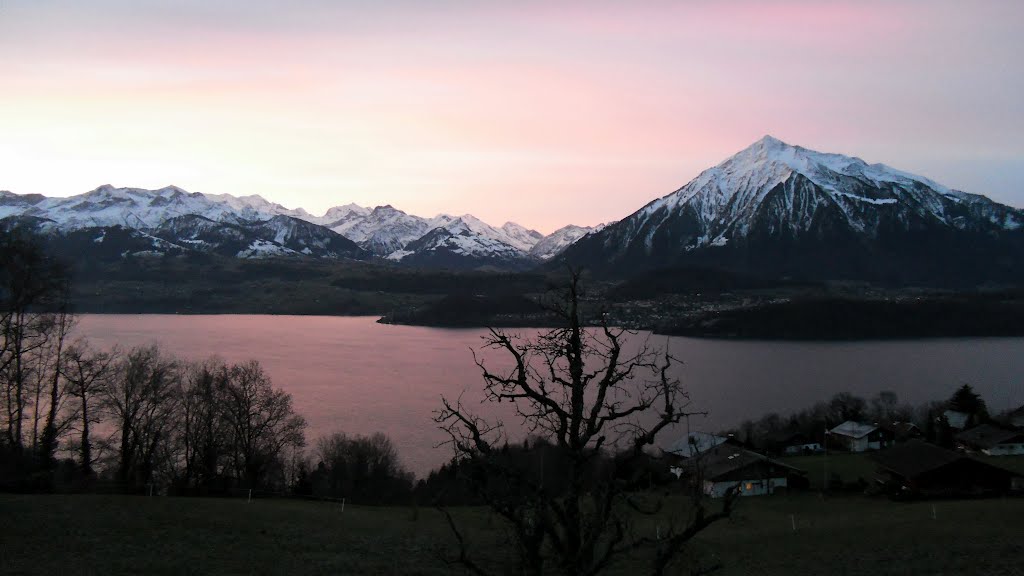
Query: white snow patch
{"x":399,"y":254}
{"x":877,"y":201}
{"x":264,"y":249}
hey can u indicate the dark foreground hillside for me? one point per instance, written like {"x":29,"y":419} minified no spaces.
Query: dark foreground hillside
{"x":159,"y":535}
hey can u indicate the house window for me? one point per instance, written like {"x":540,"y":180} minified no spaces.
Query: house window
{"x":750,"y":486}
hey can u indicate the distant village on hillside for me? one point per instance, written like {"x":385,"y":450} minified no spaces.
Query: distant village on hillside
{"x":958,"y":451}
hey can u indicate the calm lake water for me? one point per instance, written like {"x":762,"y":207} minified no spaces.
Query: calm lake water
{"x":356,"y":376}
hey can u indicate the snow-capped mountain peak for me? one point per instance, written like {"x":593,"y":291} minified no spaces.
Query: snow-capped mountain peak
{"x":524,"y":238}
{"x":256,"y":205}
{"x":727,"y":196}
{"x":779,"y":203}
{"x":338,"y":212}
{"x":554,"y":243}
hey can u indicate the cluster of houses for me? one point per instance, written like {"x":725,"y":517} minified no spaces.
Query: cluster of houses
{"x":906,"y":464}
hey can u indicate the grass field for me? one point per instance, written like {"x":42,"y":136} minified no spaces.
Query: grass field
{"x":849,"y":467}
{"x":139,"y":535}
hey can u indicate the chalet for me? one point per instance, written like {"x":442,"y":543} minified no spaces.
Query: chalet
{"x":918,"y":469}
{"x":726,"y":467}
{"x":857,"y":437}
{"x":992,"y":440}
{"x":695,"y":443}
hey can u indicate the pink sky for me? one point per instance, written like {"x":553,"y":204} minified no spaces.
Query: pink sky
{"x":543,"y":113}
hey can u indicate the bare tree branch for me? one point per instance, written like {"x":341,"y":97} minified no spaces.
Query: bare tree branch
{"x":580,"y":387}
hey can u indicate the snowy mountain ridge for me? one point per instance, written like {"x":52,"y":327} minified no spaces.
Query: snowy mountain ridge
{"x":384,"y":230}
{"x":554,"y":243}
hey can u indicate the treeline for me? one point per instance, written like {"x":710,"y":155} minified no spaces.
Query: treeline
{"x":361,"y":469}
{"x":81,"y":419}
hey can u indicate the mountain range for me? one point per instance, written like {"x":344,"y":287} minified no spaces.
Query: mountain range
{"x":172,"y":220}
{"x":773,"y":210}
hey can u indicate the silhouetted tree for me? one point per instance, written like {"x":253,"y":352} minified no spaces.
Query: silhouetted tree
{"x":845,"y":406}
{"x":55,"y":424}
{"x":32,"y":286}
{"x":584,"y":391}
{"x":261,"y":421}
{"x":364,"y":469}
{"x":86,"y":372}
{"x":141,"y":399}
{"x":205,"y":433}
{"x":966,"y":400}
{"x":34,"y":322}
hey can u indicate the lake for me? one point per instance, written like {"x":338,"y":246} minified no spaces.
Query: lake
{"x":352,"y":375}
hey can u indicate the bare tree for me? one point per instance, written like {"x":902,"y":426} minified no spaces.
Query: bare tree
{"x":55,"y":424}
{"x":261,"y":420}
{"x":141,"y":399}
{"x":86,"y":372}
{"x":582,"y":389}
{"x":205,"y":434}
{"x":364,"y":469}
{"x":31,"y":286}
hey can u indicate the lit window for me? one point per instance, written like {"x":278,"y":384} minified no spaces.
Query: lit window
{"x":750,"y":486}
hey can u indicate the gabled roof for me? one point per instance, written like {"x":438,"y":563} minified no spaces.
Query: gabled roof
{"x":987,"y":436}
{"x":914,"y":458}
{"x":853,"y":429}
{"x":696,"y":443}
{"x":723,"y":459}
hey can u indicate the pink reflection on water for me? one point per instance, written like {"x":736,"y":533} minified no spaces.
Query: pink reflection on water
{"x":344,"y":374}
{"x":355,"y":376}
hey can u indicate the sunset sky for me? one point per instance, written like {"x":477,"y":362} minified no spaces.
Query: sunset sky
{"x":544,"y":113}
